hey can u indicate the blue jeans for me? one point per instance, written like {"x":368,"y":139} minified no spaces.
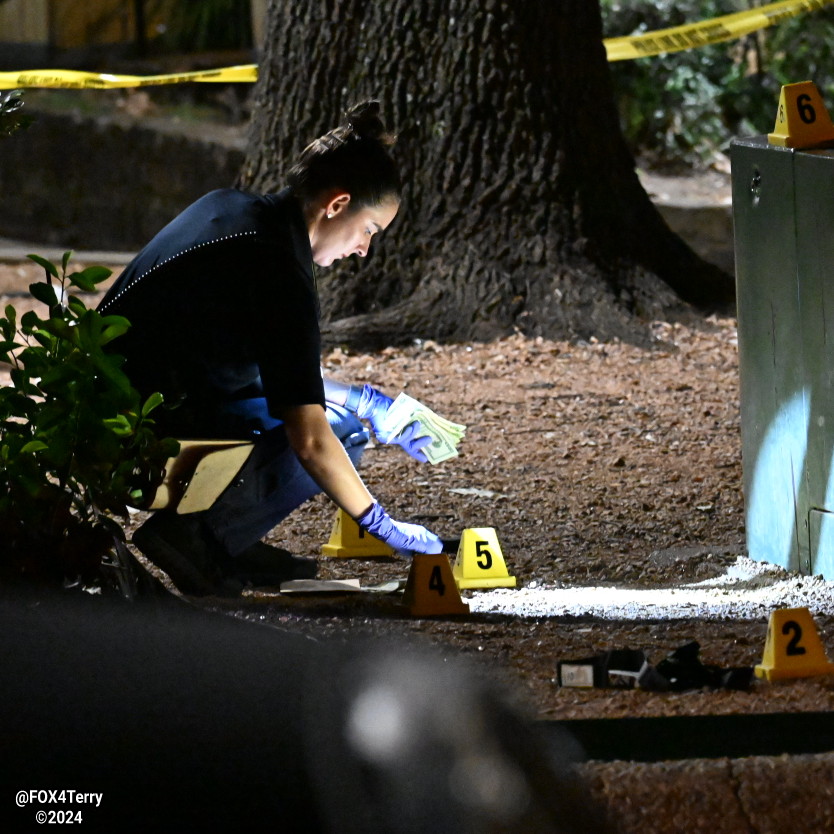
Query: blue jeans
{"x":272,"y":483}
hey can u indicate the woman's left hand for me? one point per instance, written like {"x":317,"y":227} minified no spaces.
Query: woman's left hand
{"x":412,"y":441}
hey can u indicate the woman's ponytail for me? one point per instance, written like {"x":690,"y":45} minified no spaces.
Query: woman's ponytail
{"x":352,"y":158}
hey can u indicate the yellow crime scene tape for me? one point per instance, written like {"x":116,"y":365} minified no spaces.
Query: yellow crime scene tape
{"x":74,"y":79}
{"x":715,"y":30}
{"x":674,"y":39}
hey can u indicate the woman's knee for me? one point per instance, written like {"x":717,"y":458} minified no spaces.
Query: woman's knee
{"x":349,"y":429}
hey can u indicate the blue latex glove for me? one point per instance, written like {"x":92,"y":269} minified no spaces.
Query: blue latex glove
{"x":373,"y":406}
{"x":412,"y":441}
{"x":404,"y":538}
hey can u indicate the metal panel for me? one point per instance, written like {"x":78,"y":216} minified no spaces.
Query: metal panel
{"x":783,"y":209}
{"x":822,"y":542}
{"x":774,"y":400}
{"x":814,"y":200}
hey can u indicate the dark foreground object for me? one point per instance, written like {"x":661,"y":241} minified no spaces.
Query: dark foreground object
{"x":179,"y":717}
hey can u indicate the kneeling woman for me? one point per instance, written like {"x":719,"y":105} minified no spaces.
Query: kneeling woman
{"x":224,"y":314}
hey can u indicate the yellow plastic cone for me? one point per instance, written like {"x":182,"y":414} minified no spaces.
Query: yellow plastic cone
{"x":793,"y":648}
{"x":430,"y":589}
{"x":348,"y":539}
{"x":801,"y":120}
{"x":479,"y":562}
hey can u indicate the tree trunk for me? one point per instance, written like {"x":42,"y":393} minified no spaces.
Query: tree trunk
{"x":521,"y":210}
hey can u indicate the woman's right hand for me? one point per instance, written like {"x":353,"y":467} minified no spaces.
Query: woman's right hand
{"x":373,"y":406}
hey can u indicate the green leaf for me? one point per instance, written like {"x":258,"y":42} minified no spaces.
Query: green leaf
{"x":59,"y":327}
{"x":8,"y":330}
{"x":76,"y":306}
{"x":57,"y":374}
{"x":113,"y":331}
{"x":17,"y":405}
{"x":120,"y":426}
{"x":119,"y":320}
{"x":34,"y":446}
{"x":65,"y":260}
{"x":120,"y":420}
{"x":45,"y":293}
{"x":29,"y":321}
{"x":47,"y":265}
{"x":109,"y":369}
{"x":45,"y":338}
{"x":154,"y":401}
{"x":87,"y":278}
{"x":88,"y":330}
{"x":170,"y":446}
{"x":20,"y":379}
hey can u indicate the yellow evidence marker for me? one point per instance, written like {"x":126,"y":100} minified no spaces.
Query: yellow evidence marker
{"x":479,"y":562}
{"x":793,"y":648}
{"x":430,"y":589}
{"x":348,"y":539}
{"x":801,"y":120}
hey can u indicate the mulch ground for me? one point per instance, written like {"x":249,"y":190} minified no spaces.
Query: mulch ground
{"x":597,"y":464}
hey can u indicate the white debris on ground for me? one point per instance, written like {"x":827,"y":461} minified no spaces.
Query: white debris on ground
{"x":747,"y":591}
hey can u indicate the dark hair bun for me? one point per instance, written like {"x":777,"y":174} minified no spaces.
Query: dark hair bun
{"x":352,"y":158}
{"x":365,"y":122}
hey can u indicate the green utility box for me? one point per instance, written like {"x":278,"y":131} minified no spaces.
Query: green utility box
{"x":783,"y":211}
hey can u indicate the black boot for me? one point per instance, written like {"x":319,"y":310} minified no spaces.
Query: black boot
{"x":183,"y":547}
{"x":263,"y":564}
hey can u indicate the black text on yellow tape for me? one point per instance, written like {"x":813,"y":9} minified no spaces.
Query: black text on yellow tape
{"x":74,"y":79}
{"x":693,"y":35}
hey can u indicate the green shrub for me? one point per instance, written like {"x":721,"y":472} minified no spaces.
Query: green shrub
{"x":687,"y":106}
{"x":77,"y":444}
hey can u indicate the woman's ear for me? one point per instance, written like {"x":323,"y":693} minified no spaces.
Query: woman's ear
{"x":337,"y":203}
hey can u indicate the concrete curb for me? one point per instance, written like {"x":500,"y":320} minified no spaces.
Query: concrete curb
{"x":762,"y":794}
{"x":13,"y":251}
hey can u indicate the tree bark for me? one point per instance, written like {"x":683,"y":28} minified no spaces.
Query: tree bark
{"x":521,"y":209}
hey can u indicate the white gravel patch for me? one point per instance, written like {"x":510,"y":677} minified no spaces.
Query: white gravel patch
{"x":747,"y":591}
